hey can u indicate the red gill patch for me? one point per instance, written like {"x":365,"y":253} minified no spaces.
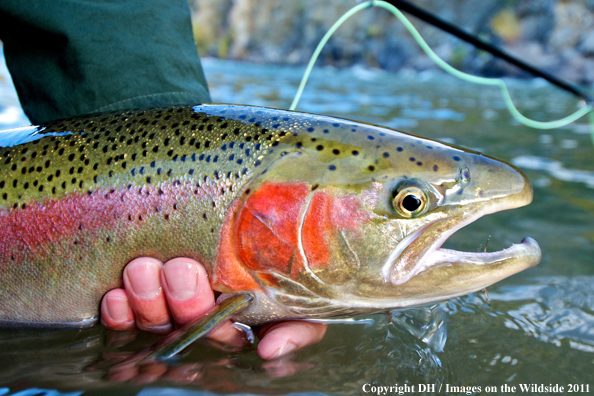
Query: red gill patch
{"x":267,"y":228}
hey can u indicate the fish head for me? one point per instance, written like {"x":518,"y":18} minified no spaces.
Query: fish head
{"x":339,"y":223}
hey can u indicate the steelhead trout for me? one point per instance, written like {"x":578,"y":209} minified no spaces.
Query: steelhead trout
{"x":314,"y":216}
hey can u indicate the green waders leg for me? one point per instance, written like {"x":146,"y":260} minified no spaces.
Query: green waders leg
{"x":71,"y":57}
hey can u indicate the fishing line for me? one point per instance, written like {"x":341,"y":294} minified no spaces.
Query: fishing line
{"x":587,"y":109}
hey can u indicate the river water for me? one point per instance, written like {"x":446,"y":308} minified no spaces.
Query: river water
{"x":537,"y":329}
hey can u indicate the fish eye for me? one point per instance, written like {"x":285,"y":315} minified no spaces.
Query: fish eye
{"x":410,"y":201}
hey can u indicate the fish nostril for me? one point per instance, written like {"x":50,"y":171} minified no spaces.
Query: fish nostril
{"x":463,"y":174}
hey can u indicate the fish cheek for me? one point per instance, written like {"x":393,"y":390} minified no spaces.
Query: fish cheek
{"x":331,"y":226}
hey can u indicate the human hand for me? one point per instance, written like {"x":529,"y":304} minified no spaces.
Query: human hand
{"x":158,"y":297}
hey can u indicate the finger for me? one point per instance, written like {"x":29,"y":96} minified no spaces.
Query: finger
{"x":189,"y":295}
{"x":187,"y":289}
{"x":142,"y":280}
{"x":116,"y":313}
{"x":280,"y":339}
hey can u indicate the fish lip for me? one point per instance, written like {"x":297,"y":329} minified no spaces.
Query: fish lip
{"x":527,"y":251}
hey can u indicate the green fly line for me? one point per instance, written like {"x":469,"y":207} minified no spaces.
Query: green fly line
{"x":445,"y":66}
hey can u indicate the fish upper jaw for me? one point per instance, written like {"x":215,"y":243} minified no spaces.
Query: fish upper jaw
{"x":421,"y":251}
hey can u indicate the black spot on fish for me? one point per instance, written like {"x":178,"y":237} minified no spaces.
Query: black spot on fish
{"x":399,"y":149}
{"x":371,"y":168}
{"x":412,"y":159}
{"x":319,"y":147}
{"x":386,"y":155}
{"x":355,"y":152}
{"x":370,"y":137}
{"x":310,"y":129}
{"x":336,"y":151}
{"x":435,"y":168}
{"x":419,"y":163}
{"x":332,"y":167}
{"x":456,"y":158}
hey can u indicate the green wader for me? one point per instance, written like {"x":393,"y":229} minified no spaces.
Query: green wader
{"x":70,"y":57}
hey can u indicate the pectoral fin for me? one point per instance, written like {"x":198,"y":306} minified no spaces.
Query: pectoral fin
{"x":177,"y":341}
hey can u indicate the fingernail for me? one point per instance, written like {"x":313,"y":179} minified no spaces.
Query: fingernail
{"x":118,"y":308}
{"x":144,"y":279}
{"x":288,"y":347}
{"x":182,"y":279}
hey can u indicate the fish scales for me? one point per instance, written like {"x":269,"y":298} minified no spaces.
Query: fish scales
{"x":116,"y":187}
{"x":271,"y":202}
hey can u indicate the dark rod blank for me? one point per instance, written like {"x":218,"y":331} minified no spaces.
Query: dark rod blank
{"x":478,"y":43}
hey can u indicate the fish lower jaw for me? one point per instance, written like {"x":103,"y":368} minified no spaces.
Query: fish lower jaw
{"x":526,"y":251}
{"x":524,"y":255}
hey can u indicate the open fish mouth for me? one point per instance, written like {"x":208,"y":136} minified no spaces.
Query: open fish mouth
{"x":528,"y":248}
{"x":409,"y":258}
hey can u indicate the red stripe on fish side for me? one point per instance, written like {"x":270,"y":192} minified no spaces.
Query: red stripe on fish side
{"x":38,"y":226}
{"x":268,"y":227}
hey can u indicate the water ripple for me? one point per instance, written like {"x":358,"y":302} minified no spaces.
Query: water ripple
{"x":555,"y":169}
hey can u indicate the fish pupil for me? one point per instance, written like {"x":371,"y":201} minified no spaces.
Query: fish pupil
{"x":411,"y":203}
